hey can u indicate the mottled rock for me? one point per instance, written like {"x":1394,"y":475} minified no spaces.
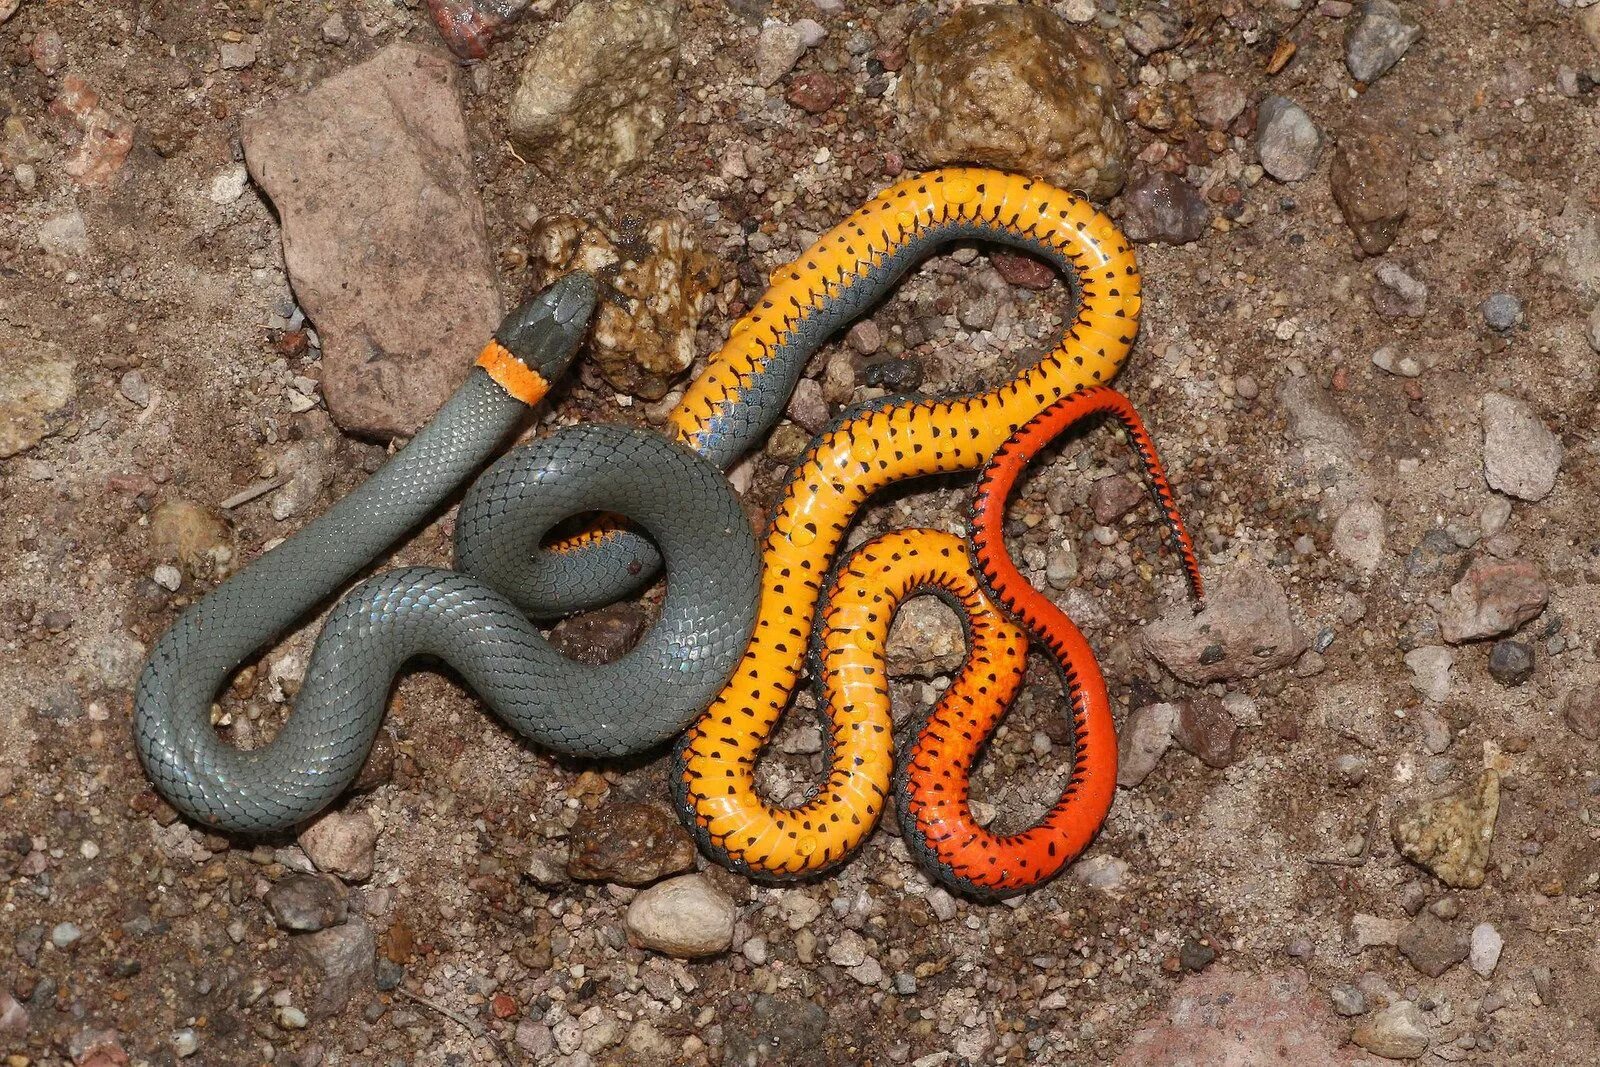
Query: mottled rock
{"x":1521,"y":456}
{"x":1580,"y":708}
{"x":1287,"y":141}
{"x":371,"y":173}
{"x":1205,"y":730}
{"x":1245,"y":629}
{"x":927,"y":639}
{"x":1109,"y":874}
{"x":1378,"y":39}
{"x":1163,"y":208}
{"x":1370,"y":182}
{"x":343,"y":957}
{"x":628,"y":844}
{"x":778,"y":48}
{"x":1358,"y":535}
{"x":471,"y":27}
{"x":1450,"y":835}
{"x":776,"y":1031}
{"x":1143,"y":740}
{"x":1398,"y":295}
{"x":1493,"y":597}
{"x":182,"y":531}
{"x":105,"y":134}
{"x":1398,"y":1032}
{"x":815,"y":92}
{"x":1430,"y":671}
{"x":644,"y":330}
{"x":1511,"y":662}
{"x":1114,"y":496}
{"x":599,"y":636}
{"x":1374,"y":931}
{"x":597,"y":89}
{"x":1592,"y":330}
{"x":1019,"y":88}
{"x":1218,"y":99}
{"x":34,"y":386}
{"x":64,"y":236}
{"x":342,"y":843}
{"x":1502,"y":311}
{"x":307,"y":902}
{"x":1432,"y":946}
{"x":1152,"y":30}
{"x":685,"y":916}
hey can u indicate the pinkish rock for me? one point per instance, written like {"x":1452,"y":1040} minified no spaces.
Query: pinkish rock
{"x":13,"y":1016}
{"x":342,"y":843}
{"x":1493,"y":598}
{"x":1224,"y":1019}
{"x":1114,"y":496}
{"x":1245,"y":629}
{"x":383,"y":234}
{"x":105,"y":134}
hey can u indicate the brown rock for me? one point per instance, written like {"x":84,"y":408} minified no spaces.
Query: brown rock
{"x":1450,"y":835}
{"x":1581,"y":708}
{"x":1369,"y":177}
{"x":371,"y":174}
{"x":1143,"y":740}
{"x":1492,"y":598}
{"x":1205,"y":730}
{"x":1023,"y":271}
{"x":1218,"y":99}
{"x":814,"y":93}
{"x":1245,"y":629}
{"x":599,"y":636}
{"x":1162,"y":208}
{"x":1018,"y":88}
{"x":470,"y":27}
{"x":1431,"y":946}
{"x":33,"y":387}
{"x":1114,"y":496}
{"x":182,"y":531}
{"x":628,"y":844}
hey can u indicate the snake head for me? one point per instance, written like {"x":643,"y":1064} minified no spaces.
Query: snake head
{"x":545,"y":331}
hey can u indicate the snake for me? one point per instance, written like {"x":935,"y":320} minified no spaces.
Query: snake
{"x":478,"y":617}
{"x":849,"y":269}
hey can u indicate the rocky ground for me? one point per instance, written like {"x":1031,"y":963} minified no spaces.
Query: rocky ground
{"x":1358,"y":793}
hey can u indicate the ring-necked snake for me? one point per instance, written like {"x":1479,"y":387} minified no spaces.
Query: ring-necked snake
{"x":474,"y":618}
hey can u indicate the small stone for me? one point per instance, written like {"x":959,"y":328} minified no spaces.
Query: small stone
{"x":1502,"y":311}
{"x":1431,"y":946}
{"x":237,"y":55}
{"x":135,"y":389}
{"x":1580,"y":708}
{"x":1450,"y":835}
{"x":1019,"y":88}
{"x":596,"y":91}
{"x":342,"y":843}
{"x":65,"y":934}
{"x":1152,"y":30}
{"x":1287,"y":141}
{"x":1511,"y":662}
{"x":755,"y":950}
{"x":942,"y":904}
{"x":1493,"y":597}
{"x":1358,"y":535}
{"x":13,"y":1016}
{"x":292,"y":1018}
{"x":1521,"y":456}
{"x":1161,"y":207}
{"x":848,"y":950}
{"x":1142,"y":742}
{"x":1023,"y":271}
{"x":1114,"y":496}
{"x":34,"y":387}
{"x":865,"y":337}
{"x":1378,"y":39}
{"x":1398,"y":295}
{"x":778,"y":49}
{"x":814,"y":93}
{"x":344,"y":958}
{"x":1109,"y":874}
{"x":807,"y":407}
{"x":926,"y":639}
{"x":1218,"y":99}
{"x":1389,"y":359}
{"x":1245,"y":630}
{"x":628,"y":844}
{"x":1398,"y":1032}
{"x":599,"y":636}
{"x":334,"y":30}
{"x":1205,"y":730}
{"x":107,"y":134}
{"x":168,"y":577}
{"x":1592,"y":330}
{"x":1374,"y":931}
{"x":1484,"y":955}
{"x":306,"y":902}
{"x":1430,"y":671}
{"x":685,"y":916}
{"x":1347,"y":1000}
{"x":64,"y":236}
{"x":1369,"y":180}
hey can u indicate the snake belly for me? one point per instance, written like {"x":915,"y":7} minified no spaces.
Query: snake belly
{"x":850,"y":268}
{"x":476,"y":619}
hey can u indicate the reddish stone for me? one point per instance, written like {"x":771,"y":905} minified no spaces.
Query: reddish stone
{"x":107,"y":136}
{"x":470,"y":27}
{"x":502,"y":1006}
{"x":814,"y":93}
{"x":1023,"y":271}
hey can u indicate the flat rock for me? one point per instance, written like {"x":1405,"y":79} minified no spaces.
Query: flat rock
{"x":1398,"y":1032}
{"x":628,"y":844}
{"x":34,"y":386}
{"x":1218,"y":99}
{"x":1358,"y":535}
{"x":1206,"y":731}
{"x":1378,"y":39}
{"x":1430,"y":671}
{"x":597,"y":89}
{"x":13,"y":1016}
{"x":1521,"y":456}
{"x":1450,"y":835}
{"x":307,"y":902}
{"x":1493,"y":597}
{"x":1484,"y":951}
{"x":1369,"y":179}
{"x":1019,"y":88}
{"x":926,"y":639}
{"x":344,"y":957}
{"x":686,"y":916}
{"x":1143,"y":740}
{"x":371,"y":174}
{"x":1398,"y":295}
{"x":1245,"y":629}
{"x":1162,"y":208}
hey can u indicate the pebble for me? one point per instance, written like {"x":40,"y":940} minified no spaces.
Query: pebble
{"x":1162,"y":208}
{"x":1580,"y":708}
{"x":292,"y":1018}
{"x":1205,"y":730}
{"x":1358,"y":535}
{"x":814,"y":92}
{"x":599,"y":636}
{"x":1398,"y":295}
{"x":686,"y":916}
{"x":942,"y":904}
{"x":1287,"y":141}
{"x":185,"y":1042}
{"x":13,"y":1016}
{"x":306,"y":902}
{"x":1374,"y":931}
{"x":626,"y":843}
{"x":1112,"y":497}
{"x":63,"y":236}
{"x":1143,"y":740}
{"x":1592,"y":330}
{"x":1348,"y":1000}
{"x":1450,"y":835}
{"x":778,"y":49}
{"x":1511,"y":662}
{"x":1432,"y":946}
{"x":342,"y":843}
{"x":344,"y":958}
{"x":1398,"y":1032}
{"x":926,"y":639}
{"x":1378,"y":39}
{"x":1502,"y":311}
{"x":237,"y":55}
{"x":1493,"y":597}
{"x":1107,"y":873}
{"x":65,"y":934}
{"x":167,"y":577}
{"x":1521,"y":456}
{"x":1019,"y":88}
{"x":1388,"y":358}
{"x":1484,"y":955}
{"x":1370,"y":181}
{"x":1152,"y":30}
{"x":107,"y":134}
{"x":1245,"y":630}
{"x":1218,"y":99}
{"x":334,"y":30}
{"x":849,"y":949}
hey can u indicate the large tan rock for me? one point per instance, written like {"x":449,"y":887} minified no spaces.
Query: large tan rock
{"x":383,"y":234}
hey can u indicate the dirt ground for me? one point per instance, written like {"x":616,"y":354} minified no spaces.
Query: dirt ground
{"x":1202,"y":898}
